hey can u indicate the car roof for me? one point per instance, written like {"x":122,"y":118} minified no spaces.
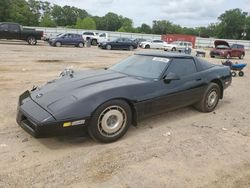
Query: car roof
{"x":165,"y":54}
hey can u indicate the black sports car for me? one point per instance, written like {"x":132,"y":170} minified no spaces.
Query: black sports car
{"x":120,"y":43}
{"x":108,"y":101}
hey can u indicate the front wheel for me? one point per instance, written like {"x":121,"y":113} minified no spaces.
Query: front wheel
{"x":110,"y":121}
{"x":31,"y":40}
{"x":210,"y":98}
{"x":241,"y":56}
{"x":130,"y":48}
{"x":228,"y":56}
{"x":80,"y":45}
{"x":108,"y":47}
{"x":58,"y":44}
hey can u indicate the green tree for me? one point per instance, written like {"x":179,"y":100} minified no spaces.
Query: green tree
{"x":231,"y":24}
{"x":86,"y":23}
{"x":47,"y":21}
{"x":67,"y":16}
{"x":127,"y":25}
{"x":20,"y":12}
{"x":145,"y":29}
{"x":4,"y":10}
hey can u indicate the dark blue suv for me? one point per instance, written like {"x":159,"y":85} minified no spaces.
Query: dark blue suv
{"x":67,"y":39}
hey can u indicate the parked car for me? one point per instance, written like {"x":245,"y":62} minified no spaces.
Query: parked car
{"x":92,"y":36}
{"x":223,"y":49}
{"x":103,"y":37}
{"x":120,"y":43}
{"x":48,"y":36}
{"x":106,"y":102}
{"x":16,"y":31}
{"x":139,"y":40}
{"x":177,"y":46}
{"x":67,"y":39}
{"x":158,"y":44}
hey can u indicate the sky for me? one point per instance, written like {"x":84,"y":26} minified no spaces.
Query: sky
{"x":187,"y":13}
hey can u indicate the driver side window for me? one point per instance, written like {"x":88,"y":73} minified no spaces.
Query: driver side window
{"x":182,"y":67}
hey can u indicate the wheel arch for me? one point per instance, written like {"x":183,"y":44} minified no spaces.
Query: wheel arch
{"x":219,"y":83}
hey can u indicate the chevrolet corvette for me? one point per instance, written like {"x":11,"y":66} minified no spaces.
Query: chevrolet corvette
{"x":106,"y":102}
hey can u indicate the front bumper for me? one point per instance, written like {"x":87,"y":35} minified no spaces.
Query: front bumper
{"x":217,"y":54}
{"x":39,"y":123}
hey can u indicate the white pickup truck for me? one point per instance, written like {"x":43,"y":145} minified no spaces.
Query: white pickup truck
{"x":94,"y":37}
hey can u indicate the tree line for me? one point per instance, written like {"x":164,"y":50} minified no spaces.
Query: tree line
{"x":232,"y":24}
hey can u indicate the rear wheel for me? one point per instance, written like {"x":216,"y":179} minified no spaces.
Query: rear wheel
{"x":210,"y":98}
{"x":110,"y":121}
{"x":173,"y":49}
{"x":58,"y":44}
{"x":31,"y":40}
{"x":94,"y":42}
{"x":147,"y":46}
{"x":108,"y":47}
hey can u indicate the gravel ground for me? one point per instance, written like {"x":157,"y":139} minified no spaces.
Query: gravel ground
{"x":183,"y":148}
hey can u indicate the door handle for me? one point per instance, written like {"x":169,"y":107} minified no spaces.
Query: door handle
{"x":198,"y":79}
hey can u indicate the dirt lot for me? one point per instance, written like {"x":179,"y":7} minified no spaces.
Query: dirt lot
{"x":184,"y":148}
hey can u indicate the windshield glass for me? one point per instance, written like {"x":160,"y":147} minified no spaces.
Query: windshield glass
{"x":142,"y":66}
{"x":222,"y":47}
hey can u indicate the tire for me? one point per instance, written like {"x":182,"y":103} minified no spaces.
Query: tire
{"x":241,"y":73}
{"x":242,"y":56}
{"x":94,"y":42}
{"x":31,"y":40}
{"x":108,"y":47}
{"x":233,"y":74}
{"x":228,"y":56}
{"x":80,"y":45}
{"x":130,"y":48}
{"x":173,"y":49}
{"x":210,"y":98}
{"x":147,"y":46}
{"x":110,"y":121}
{"x":58,"y":44}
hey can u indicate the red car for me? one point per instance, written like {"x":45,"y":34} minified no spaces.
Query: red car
{"x":223,"y":49}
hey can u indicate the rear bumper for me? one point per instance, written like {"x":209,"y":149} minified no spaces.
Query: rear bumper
{"x":40,"y":123}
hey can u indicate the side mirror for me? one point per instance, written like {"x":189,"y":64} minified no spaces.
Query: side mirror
{"x":170,"y":76}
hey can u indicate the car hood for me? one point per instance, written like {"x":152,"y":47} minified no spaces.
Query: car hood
{"x":67,"y":90}
{"x":220,"y":42}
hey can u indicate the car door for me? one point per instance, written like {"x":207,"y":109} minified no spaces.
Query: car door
{"x":4,"y":29}
{"x":119,"y":44}
{"x":180,"y":92}
{"x":14,"y":31}
{"x":234,"y":51}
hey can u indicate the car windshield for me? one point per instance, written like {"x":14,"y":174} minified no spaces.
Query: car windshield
{"x":60,"y":35}
{"x":222,"y":47}
{"x":142,"y":66}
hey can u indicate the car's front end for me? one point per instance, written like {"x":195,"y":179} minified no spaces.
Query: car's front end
{"x":221,"y":49}
{"x":102,"y":45}
{"x":52,"y":41}
{"x":39,"y":122}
